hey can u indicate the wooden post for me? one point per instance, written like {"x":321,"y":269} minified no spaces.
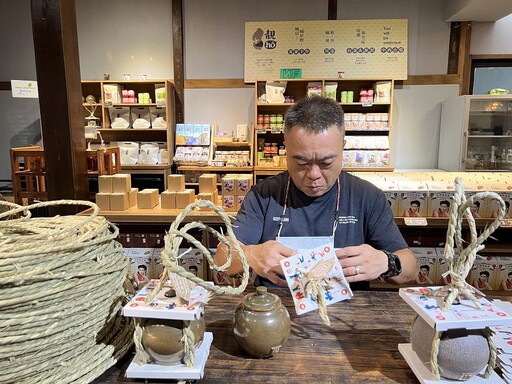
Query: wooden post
{"x":58,"y":77}
{"x":179,"y":71}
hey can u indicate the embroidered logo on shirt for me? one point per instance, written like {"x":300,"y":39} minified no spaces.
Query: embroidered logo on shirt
{"x":347,"y":219}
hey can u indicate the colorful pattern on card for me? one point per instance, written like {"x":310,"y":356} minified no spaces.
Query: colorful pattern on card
{"x":319,"y":263}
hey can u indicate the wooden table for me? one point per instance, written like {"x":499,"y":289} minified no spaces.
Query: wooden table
{"x":360,"y":346}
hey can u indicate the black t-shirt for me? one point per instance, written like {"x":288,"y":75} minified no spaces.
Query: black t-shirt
{"x":364,"y":215}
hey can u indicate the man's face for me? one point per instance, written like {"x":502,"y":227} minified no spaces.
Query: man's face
{"x":314,"y":159}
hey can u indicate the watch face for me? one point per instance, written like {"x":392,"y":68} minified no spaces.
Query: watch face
{"x":398,"y":264}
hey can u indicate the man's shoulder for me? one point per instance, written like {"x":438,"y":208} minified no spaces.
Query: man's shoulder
{"x":356,"y":182}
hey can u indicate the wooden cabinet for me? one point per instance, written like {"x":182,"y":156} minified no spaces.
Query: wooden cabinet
{"x":368,"y":122}
{"x":133,"y":111}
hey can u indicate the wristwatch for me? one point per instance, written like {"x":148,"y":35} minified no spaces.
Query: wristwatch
{"x":394,"y":266}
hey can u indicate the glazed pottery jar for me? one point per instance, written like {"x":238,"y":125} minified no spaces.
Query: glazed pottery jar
{"x":161,"y":339}
{"x":262,"y":324}
{"x":462,"y":353}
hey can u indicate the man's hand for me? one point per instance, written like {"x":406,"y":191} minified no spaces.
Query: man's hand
{"x":362,"y":262}
{"x":264,"y":260}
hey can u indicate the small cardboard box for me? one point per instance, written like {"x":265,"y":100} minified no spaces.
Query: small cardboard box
{"x":390,"y":189}
{"x":239,"y":201}
{"x":413,"y":198}
{"x":243,"y":184}
{"x":105,"y":183}
{"x":147,"y":198}
{"x":192,"y":261}
{"x":184,"y":198}
{"x":503,"y":281}
{"x":157,"y":267}
{"x":229,"y":203}
{"x":140,"y":264}
{"x":426,"y":262}
{"x":119,"y":201}
{"x":483,"y":273}
{"x":133,"y":196}
{"x":121,"y":182}
{"x":207,"y":183}
{"x":228,"y":185}
{"x":440,"y":198}
{"x":213,"y":197}
{"x":168,"y":200}
{"x":103,"y":201}
{"x":175,"y":183}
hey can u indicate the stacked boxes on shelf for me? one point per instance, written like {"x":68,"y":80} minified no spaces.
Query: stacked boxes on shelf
{"x":208,"y":187}
{"x":234,"y":189}
{"x":115,"y":192}
{"x":176,"y":196}
{"x":147,"y":198}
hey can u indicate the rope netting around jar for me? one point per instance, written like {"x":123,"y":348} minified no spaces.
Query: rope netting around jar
{"x":170,"y":259}
{"x":61,"y":295}
{"x":459,"y":267}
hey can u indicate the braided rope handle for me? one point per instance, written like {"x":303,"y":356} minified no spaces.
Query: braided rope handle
{"x":459,"y":268}
{"x":174,"y":238}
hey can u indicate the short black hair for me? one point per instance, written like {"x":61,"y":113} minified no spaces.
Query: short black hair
{"x":314,"y":114}
{"x":142,"y":266}
{"x":425,"y":266}
{"x":417,"y":202}
{"x":485,"y":273}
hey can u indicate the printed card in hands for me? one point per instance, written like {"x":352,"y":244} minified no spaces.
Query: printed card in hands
{"x":317,"y":264}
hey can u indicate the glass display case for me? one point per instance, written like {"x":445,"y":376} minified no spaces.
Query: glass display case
{"x":476,"y":133}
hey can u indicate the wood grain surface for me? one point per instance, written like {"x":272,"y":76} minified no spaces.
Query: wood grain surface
{"x":360,"y":346}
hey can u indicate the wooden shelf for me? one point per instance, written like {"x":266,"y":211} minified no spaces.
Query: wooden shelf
{"x":207,"y":169}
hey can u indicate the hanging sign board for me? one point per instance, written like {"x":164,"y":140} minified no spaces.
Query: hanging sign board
{"x":24,"y":88}
{"x":327,"y":49}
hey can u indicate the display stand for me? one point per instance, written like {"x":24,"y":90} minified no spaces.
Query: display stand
{"x":470,"y":310}
{"x":162,"y":307}
{"x":189,"y":295}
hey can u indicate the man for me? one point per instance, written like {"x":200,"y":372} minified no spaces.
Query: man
{"x":315,"y":198}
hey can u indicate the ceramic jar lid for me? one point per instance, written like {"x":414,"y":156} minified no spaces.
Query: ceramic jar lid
{"x":261,"y":300}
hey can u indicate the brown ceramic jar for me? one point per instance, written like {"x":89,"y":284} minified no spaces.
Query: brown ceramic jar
{"x":161,"y":339}
{"x":262,"y":324}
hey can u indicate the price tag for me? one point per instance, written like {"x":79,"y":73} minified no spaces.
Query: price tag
{"x":415,"y":221}
{"x":506,"y":223}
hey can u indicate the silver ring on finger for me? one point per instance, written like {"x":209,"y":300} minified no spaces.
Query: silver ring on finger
{"x":358,"y":270}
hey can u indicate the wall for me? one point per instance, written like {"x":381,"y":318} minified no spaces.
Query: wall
{"x":129,"y":36}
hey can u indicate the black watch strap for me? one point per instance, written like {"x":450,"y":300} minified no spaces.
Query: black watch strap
{"x":394,"y":266}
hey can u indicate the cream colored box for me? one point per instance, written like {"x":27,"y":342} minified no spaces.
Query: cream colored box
{"x":119,"y":201}
{"x":147,"y":198}
{"x":413,"y":198}
{"x":184,"y":198}
{"x":243,"y":184}
{"x":121,"y":182}
{"x":479,"y":208}
{"x":390,"y":189}
{"x":228,"y":185}
{"x":239,"y":201}
{"x":168,"y":200}
{"x":440,"y":198}
{"x":483,"y":273}
{"x":133,"y":196}
{"x":207,"y":183}
{"x":175,"y":183}
{"x":426,"y":266}
{"x":105,"y":184}
{"x":103,"y":201}
{"x":213,"y":196}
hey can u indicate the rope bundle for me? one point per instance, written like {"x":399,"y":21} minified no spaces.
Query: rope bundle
{"x":61,"y":292}
{"x":459,"y":268}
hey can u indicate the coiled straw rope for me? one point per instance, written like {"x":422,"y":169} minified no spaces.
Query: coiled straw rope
{"x":459,"y":268}
{"x":170,"y":260}
{"x":61,"y":292}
